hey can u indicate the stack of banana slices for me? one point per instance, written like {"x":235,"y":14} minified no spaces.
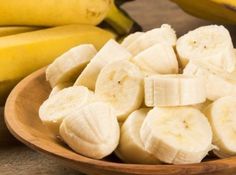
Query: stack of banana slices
{"x":151,"y":99}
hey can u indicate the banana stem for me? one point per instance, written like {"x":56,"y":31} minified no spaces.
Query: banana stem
{"x":119,"y":20}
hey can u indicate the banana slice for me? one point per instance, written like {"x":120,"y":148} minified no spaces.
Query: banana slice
{"x":164,"y":34}
{"x":92,"y":131}
{"x":157,"y":59}
{"x":62,"y":104}
{"x":130,"y":148}
{"x":121,"y":84}
{"x":216,"y":86}
{"x":110,"y":52}
{"x":131,"y":38}
{"x":174,"y":90}
{"x":222,"y":117}
{"x":178,"y":135}
{"x":209,"y":45}
{"x":68,"y":66}
{"x":59,"y":87}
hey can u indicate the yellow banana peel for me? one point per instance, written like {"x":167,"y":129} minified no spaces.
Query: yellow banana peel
{"x":226,"y":2}
{"x":24,"y":53}
{"x":10,"y":30}
{"x":219,"y":11}
{"x":53,"y":13}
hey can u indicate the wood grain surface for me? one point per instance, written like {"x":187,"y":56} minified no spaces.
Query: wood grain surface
{"x":16,"y":159}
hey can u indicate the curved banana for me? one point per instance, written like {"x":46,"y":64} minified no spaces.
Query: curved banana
{"x":11,"y":30}
{"x":226,"y":2}
{"x":219,"y":11}
{"x":33,"y":50}
{"x":49,"y":12}
{"x":178,"y":135}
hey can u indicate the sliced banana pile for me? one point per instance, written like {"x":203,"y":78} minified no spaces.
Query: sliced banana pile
{"x":152,"y":99}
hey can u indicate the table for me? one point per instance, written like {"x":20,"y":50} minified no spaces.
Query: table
{"x":17,"y":159}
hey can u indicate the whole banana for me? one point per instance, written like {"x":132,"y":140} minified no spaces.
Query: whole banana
{"x":219,"y":11}
{"x":53,"y":13}
{"x":10,"y":30}
{"x":36,"y":49}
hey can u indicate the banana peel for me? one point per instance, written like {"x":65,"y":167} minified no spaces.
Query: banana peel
{"x":24,"y":53}
{"x":219,"y":11}
{"x":10,"y":30}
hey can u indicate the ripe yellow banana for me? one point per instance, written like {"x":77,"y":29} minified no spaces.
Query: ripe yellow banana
{"x":227,"y":3}
{"x":10,"y":30}
{"x":53,"y":13}
{"x":220,"y":11}
{"x":35,"y":49}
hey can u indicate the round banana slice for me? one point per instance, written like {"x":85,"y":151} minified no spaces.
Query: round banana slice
{"x":178,"y":135}
{"x":131,"y":38}
{"x":92,"y":131}
{"x":174,"y":90}
{"x":130,"y":148}
{"x":157,"y":59}
{"x":62,"y":104}
{"x":165,"y":34}
{"x":121,"y":84}
{"x":68,"y":66}
{"x":222,"y":117}
{"x":110,"y":52}
{"x":209,"y":45}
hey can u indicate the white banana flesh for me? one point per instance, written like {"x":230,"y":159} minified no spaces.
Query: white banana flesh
{"x":92,"y":131}
{"x":68,"y":66}
{"x":121,"y":84}
{"x":131,"y":38}
{"x":62,"y":104}
{"x":165,"y":34}
{"x":59,"y":87}
{"x":216,"y":85}
{"x":222,"y":117}
{"x":130,"y":148}
{"x":157,"y":59}
{"x":110,"y":52}
{"x":209,"y":45}
{"x":178,"y":135}
{"x":174,"y":90}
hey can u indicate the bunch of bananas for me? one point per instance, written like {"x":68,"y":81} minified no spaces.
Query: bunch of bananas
{"x":219,"y":11}
{"x":59,"y":26}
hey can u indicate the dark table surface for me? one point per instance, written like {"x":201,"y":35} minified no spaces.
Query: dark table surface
{"x":17,"y":159}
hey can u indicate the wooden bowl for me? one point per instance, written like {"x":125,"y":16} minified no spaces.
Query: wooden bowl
{"x":21,"y":117}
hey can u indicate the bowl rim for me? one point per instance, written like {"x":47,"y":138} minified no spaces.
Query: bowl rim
{"x":32,"y":142}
